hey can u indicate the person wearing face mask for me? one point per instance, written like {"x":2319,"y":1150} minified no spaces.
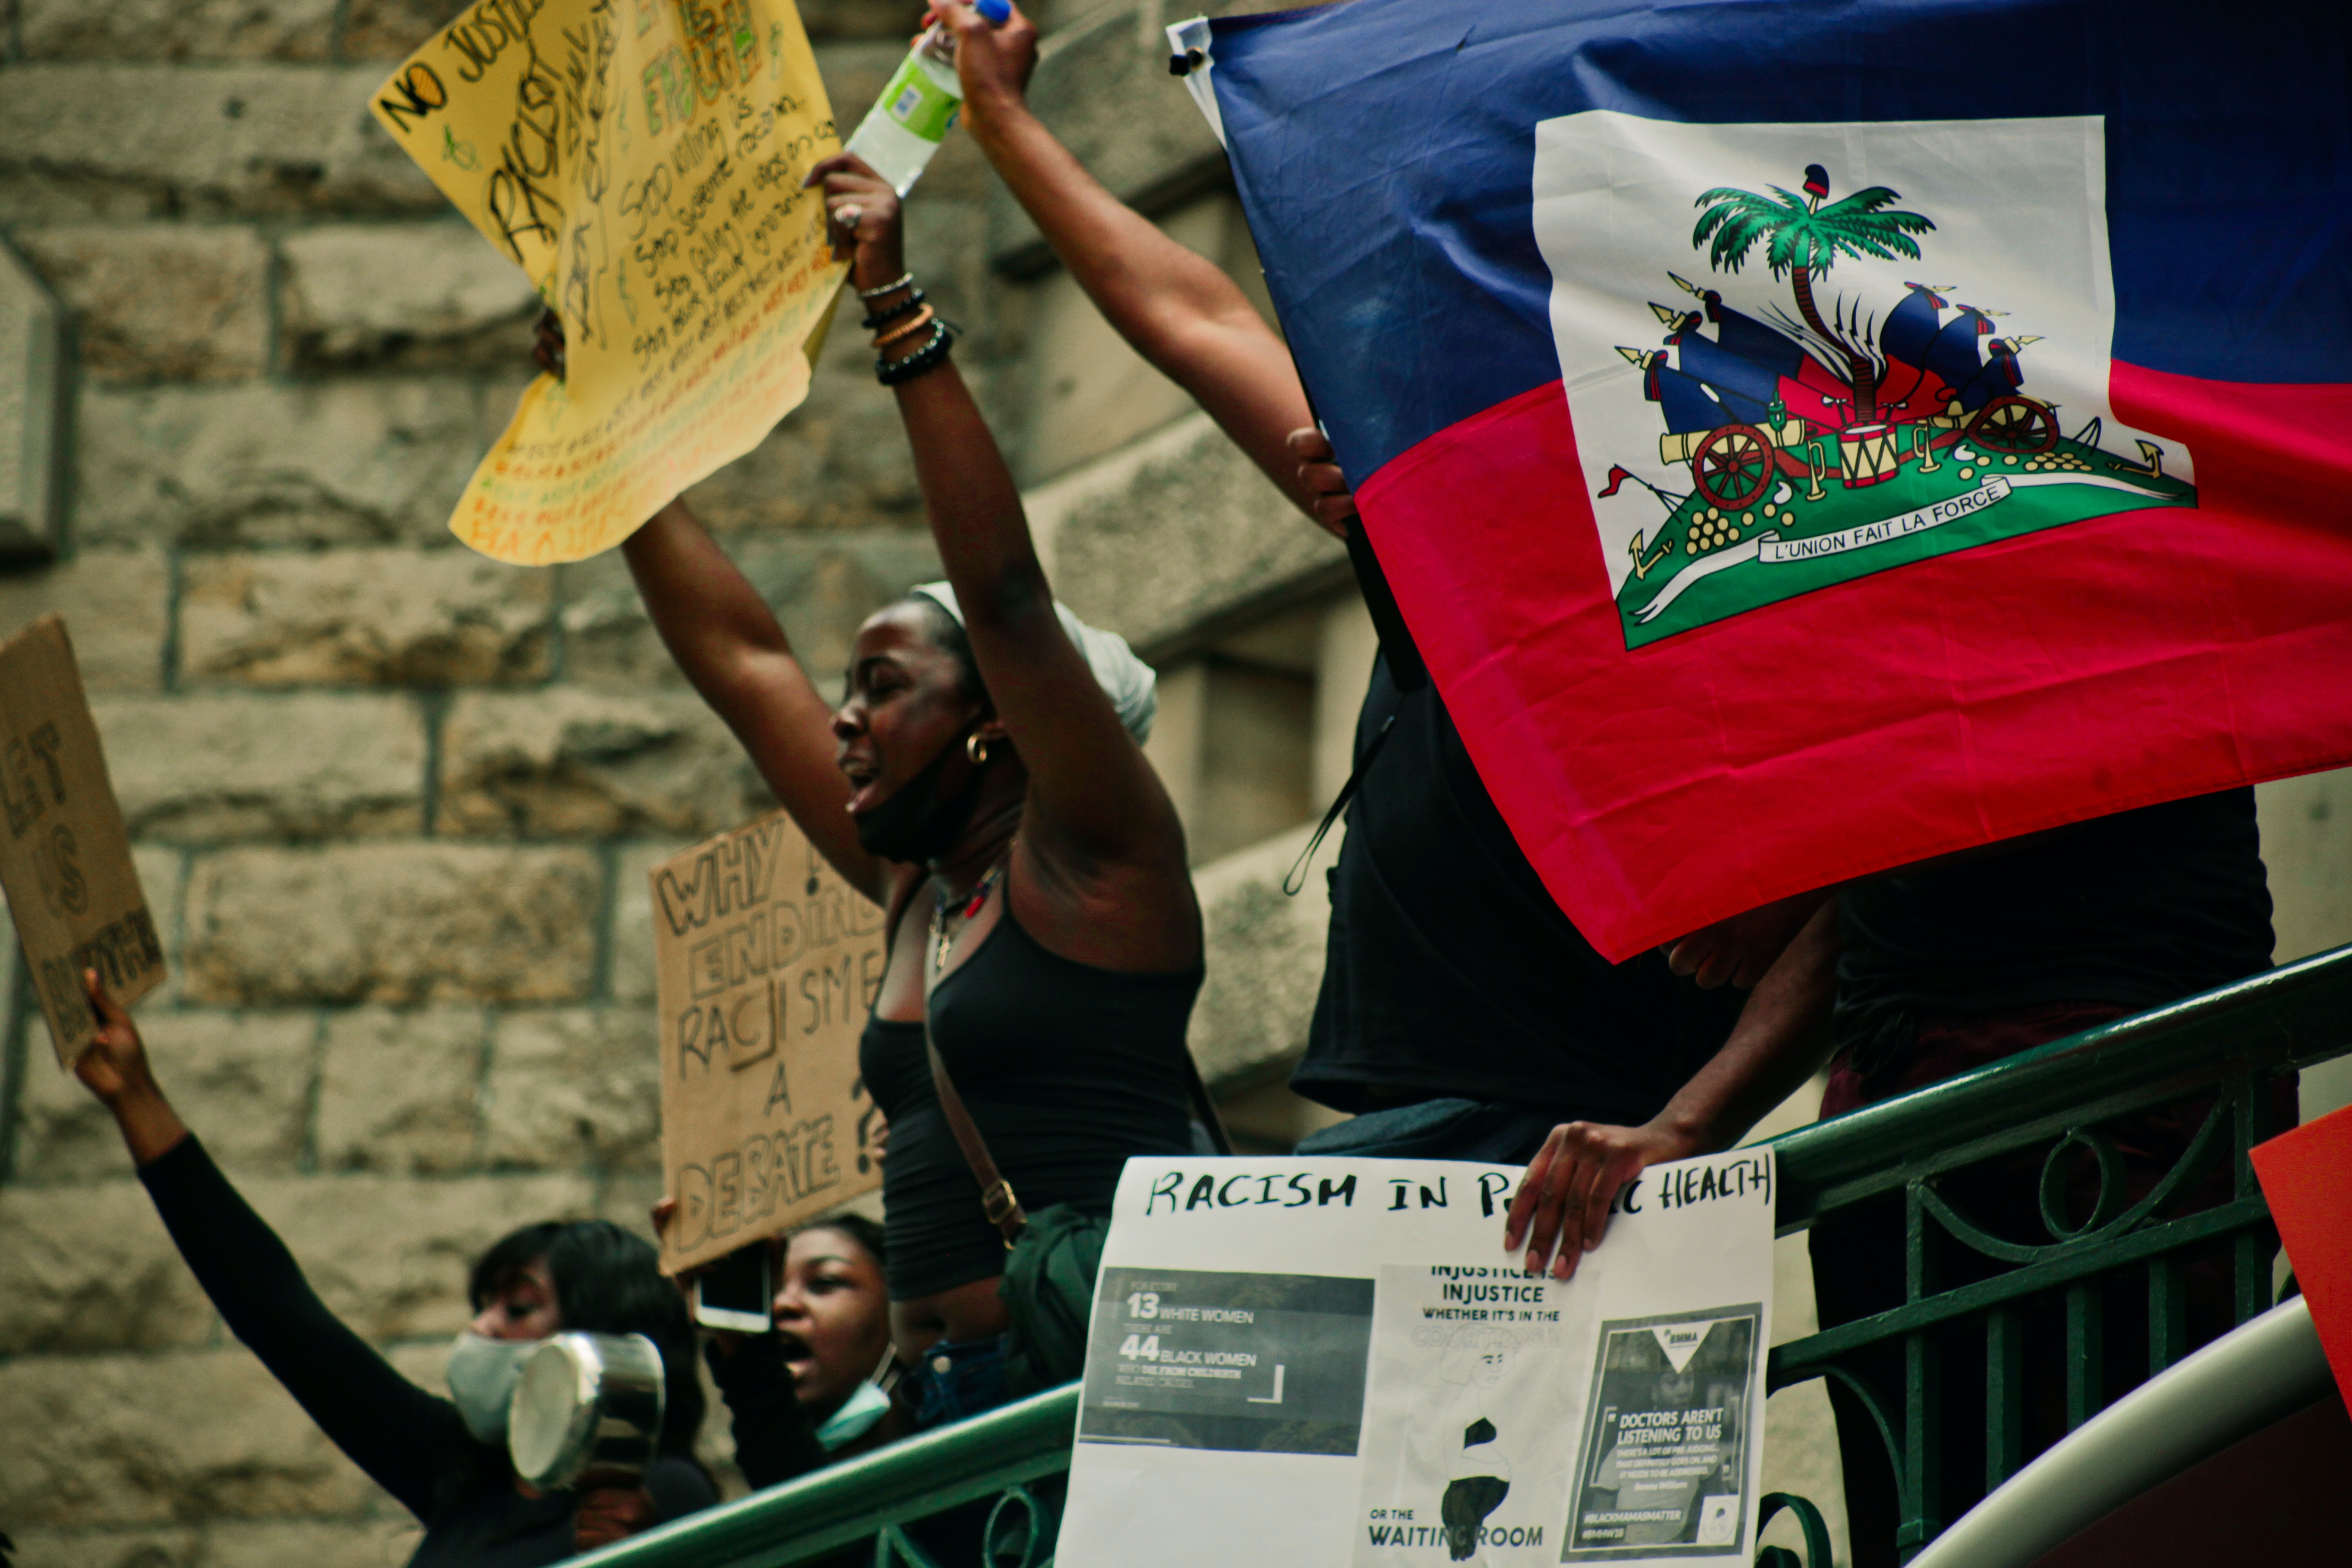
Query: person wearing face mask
{"x":444,"y":1460}
{"x":814,"y":1389}
{"x":818,"y":1387}
{"x":983,"y":781}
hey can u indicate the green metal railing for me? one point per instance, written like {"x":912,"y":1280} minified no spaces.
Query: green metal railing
{"x":2228,"y":1045}
{"x":878,"y":1497}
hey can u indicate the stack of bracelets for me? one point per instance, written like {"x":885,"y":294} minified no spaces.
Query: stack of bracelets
{"x":896,"y":323}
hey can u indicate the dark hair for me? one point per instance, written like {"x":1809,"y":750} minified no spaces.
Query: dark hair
{"x":608,"y":1281}
{"x":948,"y":635}
{"x":856,"y":1227}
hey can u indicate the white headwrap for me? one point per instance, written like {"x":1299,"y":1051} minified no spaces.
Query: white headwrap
{"x":1125,"y":679}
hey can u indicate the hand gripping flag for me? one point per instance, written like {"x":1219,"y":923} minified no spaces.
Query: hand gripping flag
{"x":1982,"y":368}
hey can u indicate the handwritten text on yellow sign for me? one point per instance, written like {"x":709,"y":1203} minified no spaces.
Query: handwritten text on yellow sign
{"x":641,"y":161}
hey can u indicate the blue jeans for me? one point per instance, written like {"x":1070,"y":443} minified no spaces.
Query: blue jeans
{"x":954,"y":1380}
{"x":1488,"y":1134}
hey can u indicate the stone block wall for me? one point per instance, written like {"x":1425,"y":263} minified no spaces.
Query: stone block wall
{"x":394,"y":804}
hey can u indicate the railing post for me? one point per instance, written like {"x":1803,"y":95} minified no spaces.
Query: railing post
{"x":2004,"y":1395}
{"x":2086,"y":1343}
{"x":2168,"y":1312}
{"x":1921,"y":1518}
{"x":2250,"y":1258}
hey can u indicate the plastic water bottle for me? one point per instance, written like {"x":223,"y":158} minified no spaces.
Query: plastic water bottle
{"x":912,"y":117}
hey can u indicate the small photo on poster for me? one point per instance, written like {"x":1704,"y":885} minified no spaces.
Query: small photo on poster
{"x":1665,"y":1461}
{"x":1250,"y":1362}
{"x":1470,"y":1426}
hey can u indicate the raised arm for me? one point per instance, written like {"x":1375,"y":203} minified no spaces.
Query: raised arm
{"x":732,"y":648}
{"x":391,"y":1428}
{"x":1092,"y":797}
{"x":1179,"y":310}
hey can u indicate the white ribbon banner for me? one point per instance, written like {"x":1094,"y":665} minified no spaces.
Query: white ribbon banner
{"x":1777,"y":552}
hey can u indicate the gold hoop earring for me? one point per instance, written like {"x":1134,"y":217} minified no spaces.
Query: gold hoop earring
{"x":975,"y":748}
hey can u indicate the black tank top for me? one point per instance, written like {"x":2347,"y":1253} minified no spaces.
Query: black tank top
{"x":1066,"y":1069}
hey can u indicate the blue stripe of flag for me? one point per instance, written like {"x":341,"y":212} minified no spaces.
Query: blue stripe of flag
{"x":1384,"y":150}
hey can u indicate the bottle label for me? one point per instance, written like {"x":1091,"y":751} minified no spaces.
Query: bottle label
{"x":918,"y":103}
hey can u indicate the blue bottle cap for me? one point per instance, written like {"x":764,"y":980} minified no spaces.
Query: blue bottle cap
{"x":995,"y":13}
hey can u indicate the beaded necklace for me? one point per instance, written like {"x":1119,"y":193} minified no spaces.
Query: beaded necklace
{"x":942,"y":937}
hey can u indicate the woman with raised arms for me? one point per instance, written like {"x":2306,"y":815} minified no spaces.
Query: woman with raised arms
{"x":983,"y":780}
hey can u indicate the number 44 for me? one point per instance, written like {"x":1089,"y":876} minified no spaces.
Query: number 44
{"x":1140,"y":1347}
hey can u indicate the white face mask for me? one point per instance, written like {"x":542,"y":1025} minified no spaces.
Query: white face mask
{"x":866,"y":1406}
{"x":482,"y":1377}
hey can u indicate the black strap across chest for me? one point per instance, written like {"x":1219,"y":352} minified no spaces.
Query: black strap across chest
{"x":997,"y":1198}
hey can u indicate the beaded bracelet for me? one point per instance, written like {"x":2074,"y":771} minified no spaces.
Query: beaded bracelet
{"x":890,"y":288}
{"x":929,"y":357}
{"x":880,"y":319}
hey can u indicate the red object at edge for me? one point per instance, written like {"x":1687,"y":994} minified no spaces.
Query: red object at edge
{"x":2307,"y":1175}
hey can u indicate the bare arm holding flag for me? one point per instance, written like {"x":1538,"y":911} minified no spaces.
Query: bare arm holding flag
{"x":1178,"y":310}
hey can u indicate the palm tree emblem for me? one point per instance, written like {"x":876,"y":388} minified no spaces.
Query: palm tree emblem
{"x":1803,"y":238}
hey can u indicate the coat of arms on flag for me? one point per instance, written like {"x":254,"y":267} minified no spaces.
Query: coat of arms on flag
{"x":1802,"y":444}
{"x":1793,"y":407}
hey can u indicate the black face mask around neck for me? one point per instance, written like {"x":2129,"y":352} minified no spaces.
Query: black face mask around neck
{"x":917,"y":823}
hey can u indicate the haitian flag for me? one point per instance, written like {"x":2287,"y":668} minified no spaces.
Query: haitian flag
{"x":1806,"y":437}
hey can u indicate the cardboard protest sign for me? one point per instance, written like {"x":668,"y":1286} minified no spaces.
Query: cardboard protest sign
{"x":766,"y":964}
{"x":65,"y":858}
{"x":1339,"y":1354}
{"x":641,"y":159}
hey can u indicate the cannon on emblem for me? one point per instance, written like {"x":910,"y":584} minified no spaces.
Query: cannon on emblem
{"x":2015,"y":427}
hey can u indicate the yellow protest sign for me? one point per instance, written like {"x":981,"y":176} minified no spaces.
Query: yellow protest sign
{"x":641,"y":161}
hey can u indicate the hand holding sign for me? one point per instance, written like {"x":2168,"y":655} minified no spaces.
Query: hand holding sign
{"x":65,"y":856}
{"x":863,"y":216}
{"x":1572,"y":1186}
{"x":642,"y":162}
{"x":114,"y":1066}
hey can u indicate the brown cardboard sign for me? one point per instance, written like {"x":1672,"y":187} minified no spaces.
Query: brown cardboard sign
{"x":65,"y":858}
{"x":766,"y":963}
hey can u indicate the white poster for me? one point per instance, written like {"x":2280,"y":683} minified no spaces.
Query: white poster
{"x":1331,"y":1364}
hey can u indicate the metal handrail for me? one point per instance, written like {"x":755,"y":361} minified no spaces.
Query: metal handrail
{"x":2292,"y":1016}
{"x":834,"y":1508}
{"x":2260,"y":1374}
{"x":2305,"y":1011}
{"x":1920,"y":1158}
